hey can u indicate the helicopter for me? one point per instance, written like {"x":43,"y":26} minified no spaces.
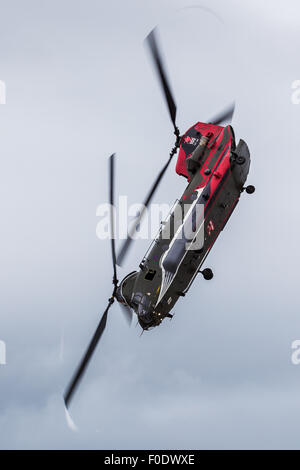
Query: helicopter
{"x":216,"y":171}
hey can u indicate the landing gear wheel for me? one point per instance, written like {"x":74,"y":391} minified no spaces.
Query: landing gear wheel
{"x":250,"y":189}
{"x":207,"y":274}
{"x":240,"y":160}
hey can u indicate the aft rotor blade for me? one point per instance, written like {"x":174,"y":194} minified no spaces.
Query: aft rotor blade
{"x":146,"y":203}
{"x":112,"y":220}
{"x":225,"y":115}
{"x":158,"y":62}
{"x":86,"y":358}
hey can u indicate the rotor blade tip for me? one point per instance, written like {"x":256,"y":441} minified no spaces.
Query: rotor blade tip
{"x":69,"y":420}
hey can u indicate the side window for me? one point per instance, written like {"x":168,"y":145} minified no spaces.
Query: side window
{"x":150,"y":274}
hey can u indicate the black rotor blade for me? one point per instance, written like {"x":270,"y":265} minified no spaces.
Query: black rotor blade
{"x":152,"y":42}
{"x":225,"y":115}
{"x":112,"y":220}
{"x":146,"y":203}
{"x":86,"y":358}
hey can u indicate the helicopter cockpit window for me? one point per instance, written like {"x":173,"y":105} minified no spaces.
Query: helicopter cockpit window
{"x":141,"y":304}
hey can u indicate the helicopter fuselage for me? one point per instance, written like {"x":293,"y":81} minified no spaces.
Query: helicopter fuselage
{"x":216,"y":170}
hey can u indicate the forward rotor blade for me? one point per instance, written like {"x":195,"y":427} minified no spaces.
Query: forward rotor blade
{"x":160,"y":69}
{"x":112,"y":221}
{"x":146,"y":203}
{"x":127,"y":313}
{"x":86,"y":358}
{"x":226,"y":115}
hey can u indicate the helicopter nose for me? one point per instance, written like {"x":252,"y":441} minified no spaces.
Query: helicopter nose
{"x":145,"y":319}
{"x":144,"y":310}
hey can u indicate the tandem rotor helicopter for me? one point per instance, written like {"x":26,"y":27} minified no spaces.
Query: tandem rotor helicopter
{"x":216,"y":170}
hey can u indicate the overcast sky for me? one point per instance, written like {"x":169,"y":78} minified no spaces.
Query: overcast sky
{"x":79,"y":87}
